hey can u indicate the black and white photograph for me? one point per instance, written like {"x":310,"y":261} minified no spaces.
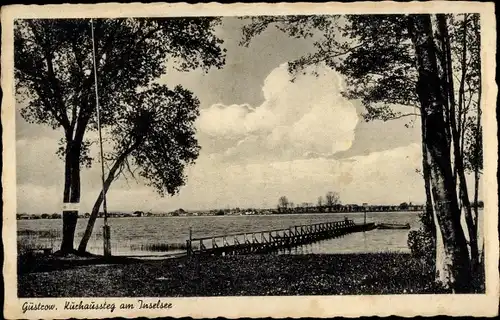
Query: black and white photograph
{"x":159,"y":157}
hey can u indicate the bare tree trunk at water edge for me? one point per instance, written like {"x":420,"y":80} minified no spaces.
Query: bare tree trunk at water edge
{"x":457,"y":150}
{"x":430,"y":223}
{"x":97,"y":205}
{"x":455,"y":265}
{"x":71,"y":195}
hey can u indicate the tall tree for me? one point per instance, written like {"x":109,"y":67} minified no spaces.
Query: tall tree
{"x":373,"y":52}
{"x":283,"y":203}
{"x":381,"y":62}
{"x":332,"y":198}
{"x":466,"y":55}
{"x":320,"y":201}
{"x":155,"y":140}
{"x":430,"y":93}
{"x":458,"y":108}
{"x":55,"y":75}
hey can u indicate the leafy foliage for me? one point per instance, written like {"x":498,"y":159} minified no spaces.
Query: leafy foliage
{"x":157,"y":130}
{"x":378,"y":57}
{"x":55,"y":76}
{"x":465,"y":45}
{"x":373,"y":52}
{"x":283,"y":202}
{"x":375,"y":55}
{"x":54,"y":67}
{"x":85,"y":158}
{"x":473,"y":151}
{"x":332,"y":198}
{"x":421,"y":242}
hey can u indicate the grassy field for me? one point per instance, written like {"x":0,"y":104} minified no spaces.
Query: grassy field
{"x":343,"y":274}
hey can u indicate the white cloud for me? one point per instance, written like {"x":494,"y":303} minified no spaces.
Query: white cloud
{"x":380,"y":177}
{"x":296,"y":118}
{"x":234,"y":120}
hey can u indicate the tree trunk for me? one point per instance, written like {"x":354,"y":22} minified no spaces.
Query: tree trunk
{"x":479,"y":141}
{"x":430,"y":223}
{"x":97,"y":205}
{"x":477,"y":164}
{"x":427,"y":176}
{"x":457,"y":152}
{"x":71,"y":195}
{"x":477,"y":168}
{"x":455,"y":268}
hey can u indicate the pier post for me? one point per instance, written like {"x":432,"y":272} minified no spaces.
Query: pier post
{"x":106,"y":234}
{"x":364,"y":220}
{"x":188,"y":243}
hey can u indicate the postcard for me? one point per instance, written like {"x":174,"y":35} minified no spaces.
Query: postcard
{"x":250,"y":160}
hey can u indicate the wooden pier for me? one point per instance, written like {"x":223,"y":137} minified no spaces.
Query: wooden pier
{"x":272,"y":240}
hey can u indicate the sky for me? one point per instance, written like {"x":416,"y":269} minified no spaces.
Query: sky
{"x":262,"y":136}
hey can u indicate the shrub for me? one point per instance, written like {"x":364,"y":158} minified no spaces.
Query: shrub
{"x":422,"y":242}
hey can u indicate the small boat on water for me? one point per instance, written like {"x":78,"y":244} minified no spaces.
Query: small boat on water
{"x":393,"y":226}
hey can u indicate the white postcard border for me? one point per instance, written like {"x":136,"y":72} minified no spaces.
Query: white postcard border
{"x":233,"y":307}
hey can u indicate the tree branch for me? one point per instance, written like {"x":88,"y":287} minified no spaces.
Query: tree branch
{"x":404,"y":115}
{"x":52,"y":79}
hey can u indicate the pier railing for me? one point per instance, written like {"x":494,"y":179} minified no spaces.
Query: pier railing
{"x":271,"y":240}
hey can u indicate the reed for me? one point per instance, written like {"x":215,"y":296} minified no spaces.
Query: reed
{"x":159,"y":247}
{"x":25,"y":245}
{"x":47,"y":234}
{"x":29,"y":240}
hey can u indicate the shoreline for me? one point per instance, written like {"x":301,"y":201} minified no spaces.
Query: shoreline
{"x":249,"y":275}
{"x":160,"y":215}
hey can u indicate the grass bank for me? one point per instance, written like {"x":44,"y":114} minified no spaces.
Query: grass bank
{"x":343,"y":274}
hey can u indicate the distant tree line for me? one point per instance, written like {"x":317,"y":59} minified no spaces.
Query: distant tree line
{"x":26,"y":216}
{"x":331,"y":203}
{"x":305,"y":207}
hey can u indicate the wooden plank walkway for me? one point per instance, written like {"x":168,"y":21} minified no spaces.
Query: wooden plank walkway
{"x":272,"y":240}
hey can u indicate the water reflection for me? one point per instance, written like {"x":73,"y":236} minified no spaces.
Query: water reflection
{"x":362,"y":242}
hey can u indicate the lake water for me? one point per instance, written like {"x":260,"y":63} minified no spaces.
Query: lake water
{"x":128,"y":235}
